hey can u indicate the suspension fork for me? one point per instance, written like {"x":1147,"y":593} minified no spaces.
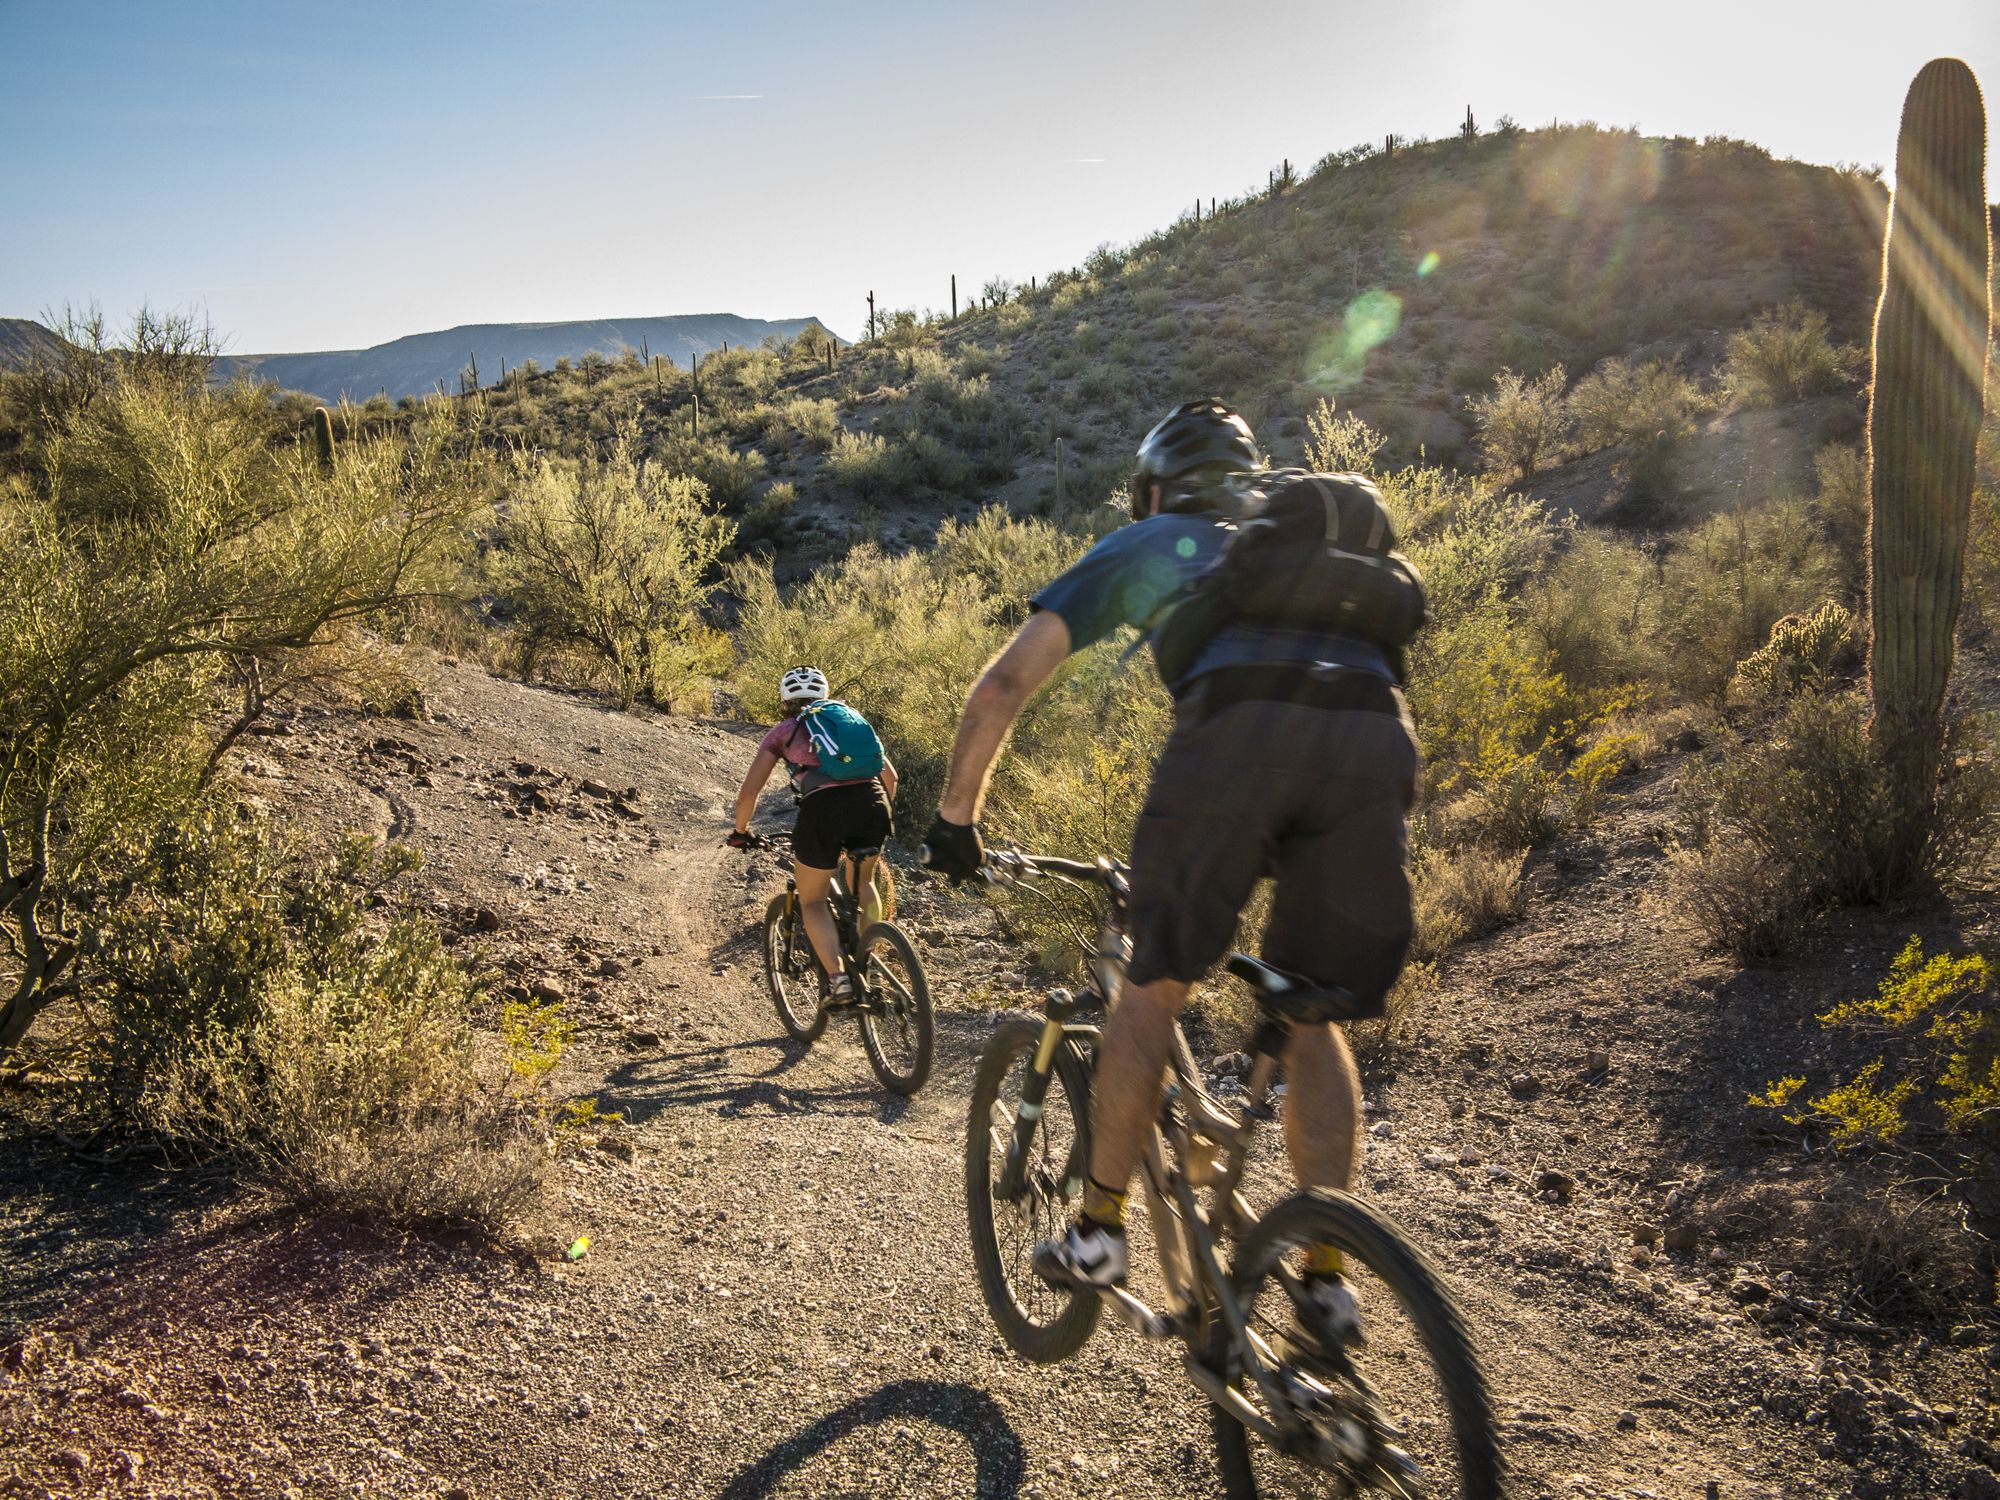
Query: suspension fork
{"x":1056,"y":1011}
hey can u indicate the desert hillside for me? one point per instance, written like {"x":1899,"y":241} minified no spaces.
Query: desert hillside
{"x":1396,"y":284}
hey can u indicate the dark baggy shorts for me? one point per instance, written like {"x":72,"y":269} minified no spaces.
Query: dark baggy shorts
{"x":1315,"y":798}
{"x":851,"y":817}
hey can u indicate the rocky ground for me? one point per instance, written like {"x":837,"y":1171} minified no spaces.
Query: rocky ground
{"x":778,"y":1299}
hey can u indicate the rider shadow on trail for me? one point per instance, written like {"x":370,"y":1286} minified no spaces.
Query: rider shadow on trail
{"x":698,"y":1077}
{"x":1000,"y":1459}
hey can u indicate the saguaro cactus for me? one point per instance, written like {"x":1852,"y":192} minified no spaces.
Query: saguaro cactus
{"x":323,"y":438}
{"x":1924,"y":410}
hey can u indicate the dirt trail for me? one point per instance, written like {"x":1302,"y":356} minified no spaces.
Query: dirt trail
{"x":778,"y":1298}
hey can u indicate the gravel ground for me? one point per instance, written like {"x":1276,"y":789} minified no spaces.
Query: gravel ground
{"x":778,"y":1299}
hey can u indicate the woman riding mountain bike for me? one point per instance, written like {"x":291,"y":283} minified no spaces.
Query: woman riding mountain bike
{"x":844,"y":783}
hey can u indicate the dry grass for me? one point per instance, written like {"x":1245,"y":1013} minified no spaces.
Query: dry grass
{"x":1461,"y":895}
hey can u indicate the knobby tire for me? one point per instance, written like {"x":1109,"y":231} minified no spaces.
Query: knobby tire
{"x":1067,"y":1319}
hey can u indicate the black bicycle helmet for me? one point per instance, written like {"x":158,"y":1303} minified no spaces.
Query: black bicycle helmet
{"x":1192,"y":449}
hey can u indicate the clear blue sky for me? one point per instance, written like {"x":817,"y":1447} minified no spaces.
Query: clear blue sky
{"x":333,"y":176}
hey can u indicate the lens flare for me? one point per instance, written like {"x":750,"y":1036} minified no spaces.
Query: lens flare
{"x":1337,"y":358}
{"x":1428,"y":264}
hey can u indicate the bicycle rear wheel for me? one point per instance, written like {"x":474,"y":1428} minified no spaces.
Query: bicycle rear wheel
{"x":790,"y":973}
{"x":896,"y":1025}
{"x":1408,"y":1414}
{"x":1039,"y":1322}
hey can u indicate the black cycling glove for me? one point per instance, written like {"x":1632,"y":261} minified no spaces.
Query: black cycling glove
{"x":740,"y":840}
{"x":953,"y":849}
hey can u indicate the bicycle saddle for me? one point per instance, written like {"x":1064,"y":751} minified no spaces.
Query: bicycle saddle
{"x":1294,"y":996}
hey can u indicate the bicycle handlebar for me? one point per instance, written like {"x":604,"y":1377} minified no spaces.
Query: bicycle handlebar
{"x":1007,"y":864}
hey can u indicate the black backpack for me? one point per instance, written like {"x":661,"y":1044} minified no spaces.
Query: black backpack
{"x":1312,"y":552}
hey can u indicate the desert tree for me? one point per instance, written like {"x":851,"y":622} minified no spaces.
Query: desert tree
{"x":614,"y":555}
{"x":169,"y":537}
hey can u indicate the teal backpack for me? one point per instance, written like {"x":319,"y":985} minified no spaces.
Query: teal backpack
{"x":847,"y":745}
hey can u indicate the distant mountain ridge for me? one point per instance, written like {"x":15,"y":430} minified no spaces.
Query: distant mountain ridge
{"x":415,"y":363}
{"x":22,"y":339}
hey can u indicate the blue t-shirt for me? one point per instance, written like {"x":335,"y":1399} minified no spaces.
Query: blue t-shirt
{"x":1131,"y":574}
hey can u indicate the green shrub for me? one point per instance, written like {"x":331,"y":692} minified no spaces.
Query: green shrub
{"x":1787,"y":356}
{"x":1473,"y":545}
{"x":1595,"y":610}
{"x":1523,"y":424}
{"x":1793,"y":818}
{"x":810,"y":424}
{"x":729,"y":476}
{"x":768,"y":519}
{"x":859,"y":462}
{"x":612,"y":556}
{"x":1840,"y":509}
{"x":295,"y":1018}
{"x":1647,"y":410}
{"x":1726,"y":583}
{"x":1500,"y":729}
{"x":1943,"y":1015}
{"x":1804,"y":798}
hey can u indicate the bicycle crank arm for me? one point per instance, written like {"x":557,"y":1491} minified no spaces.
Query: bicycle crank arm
{"x":1231,"y":1400}
{"x":1136,"y":1316}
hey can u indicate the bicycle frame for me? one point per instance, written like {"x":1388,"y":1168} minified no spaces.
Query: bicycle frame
{"x":840,"y":897}
{"x":1195,"y":1143}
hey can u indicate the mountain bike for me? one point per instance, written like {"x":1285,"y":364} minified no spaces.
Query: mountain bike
{"x":1408,"y":1415}
{"x":892,"y":999}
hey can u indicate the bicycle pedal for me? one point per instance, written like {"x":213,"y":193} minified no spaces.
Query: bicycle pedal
{"x":1135,"y":1315}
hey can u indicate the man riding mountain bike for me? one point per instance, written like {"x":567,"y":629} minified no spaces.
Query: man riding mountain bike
{"x":1292,"y":756}
{"x":845,"y":785}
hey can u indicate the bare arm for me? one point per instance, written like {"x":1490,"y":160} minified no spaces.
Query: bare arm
{"x":753,"y":784}
{"x":1010,"y":679}
{"x":889,"y":778}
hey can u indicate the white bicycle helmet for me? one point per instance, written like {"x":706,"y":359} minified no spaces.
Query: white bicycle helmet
{"x":802,"y":685}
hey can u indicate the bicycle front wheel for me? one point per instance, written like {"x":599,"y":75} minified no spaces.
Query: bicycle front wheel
{"x":1039,"y":1322}
{"x":1407,"y":1414}
{"x":789,"y":971}
{"x":896,"y":1024}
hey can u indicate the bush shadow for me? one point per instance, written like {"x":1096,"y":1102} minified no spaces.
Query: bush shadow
{"x":701,"y":1078}
{"x":117,"y":1257}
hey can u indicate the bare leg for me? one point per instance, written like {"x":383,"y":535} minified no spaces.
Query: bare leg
{"x":1131,"y":1061}
{"x":1322,"y":1108}
{"x":820,"y":931}
{"x":863,"y":877}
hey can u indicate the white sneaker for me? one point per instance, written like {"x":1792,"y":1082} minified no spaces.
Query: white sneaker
{"x":1332,"y":1311}
{"x":839,"y":991}
{"x":1087,"y":1257}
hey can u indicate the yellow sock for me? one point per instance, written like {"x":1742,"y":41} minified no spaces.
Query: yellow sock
{"x":1102,"y":1206}
{"x":1324,"y":1260}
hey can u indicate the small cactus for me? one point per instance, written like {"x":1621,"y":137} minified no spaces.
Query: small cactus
{"x":1924,"y":410}
{"x":323,"y":438}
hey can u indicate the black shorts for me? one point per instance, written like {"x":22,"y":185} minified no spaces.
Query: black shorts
{"x":1314,"y":798}
{"x":853,"y":818}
